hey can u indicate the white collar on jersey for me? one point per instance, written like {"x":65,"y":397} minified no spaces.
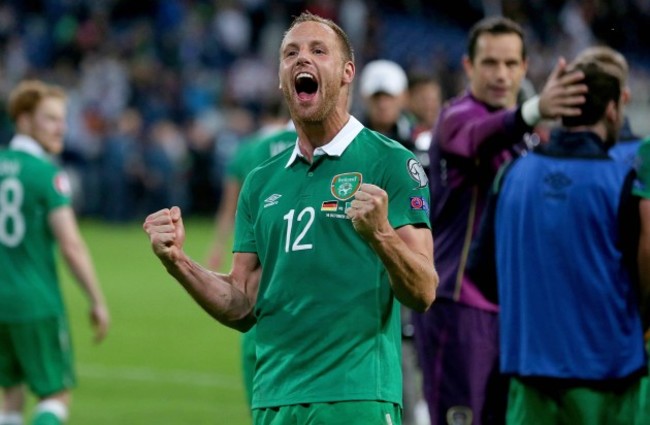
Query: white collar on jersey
{"x":24,"y":143}
{"x":336,"y":146}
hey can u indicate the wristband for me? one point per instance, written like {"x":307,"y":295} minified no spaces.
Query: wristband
{"x":530,"y":111}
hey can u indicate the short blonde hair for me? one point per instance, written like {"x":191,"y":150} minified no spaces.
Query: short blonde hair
{"x":347,"y":50}
{"x":28,"y":94}
{"x":610,"y":60}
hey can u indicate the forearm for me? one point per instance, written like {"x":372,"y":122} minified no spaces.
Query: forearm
{"x":467,"y":136}
{"x":225,"y":217}
{"x":216,"y":293}
{"x":224,"y":223}
{"x":412,"y":275}
{"x":223,"y":229}
{"x":80,"y":264}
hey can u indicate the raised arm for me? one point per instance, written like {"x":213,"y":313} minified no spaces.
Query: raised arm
{"x":407,"y":253}
{"x":463,"y":132}
{"x":229,"y":298}
{"x":63,"y":223}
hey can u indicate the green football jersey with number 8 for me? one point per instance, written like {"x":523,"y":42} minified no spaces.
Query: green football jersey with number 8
{"x":328,"y":324}
{"x":31,"y":186}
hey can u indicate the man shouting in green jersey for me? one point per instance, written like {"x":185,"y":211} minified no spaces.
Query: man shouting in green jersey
{"x":330,"y":237}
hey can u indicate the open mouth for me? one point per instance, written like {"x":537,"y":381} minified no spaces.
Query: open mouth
{"x":306,"y":86}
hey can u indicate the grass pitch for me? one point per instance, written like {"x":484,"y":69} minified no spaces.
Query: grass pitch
{"x":165,"y":361}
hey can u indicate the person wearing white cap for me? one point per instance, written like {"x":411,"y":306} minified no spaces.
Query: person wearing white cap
{"x":383,"y":88}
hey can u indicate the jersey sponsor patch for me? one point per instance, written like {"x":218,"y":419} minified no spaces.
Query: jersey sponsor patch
{"x":417,"y":173}
{"x":419,"y":203}
{"x":62,"y":184}
{"x":329,"y":205}
{"x":345,"y":185}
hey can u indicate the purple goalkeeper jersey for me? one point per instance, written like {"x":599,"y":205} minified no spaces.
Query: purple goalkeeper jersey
{"x":470,"y":142}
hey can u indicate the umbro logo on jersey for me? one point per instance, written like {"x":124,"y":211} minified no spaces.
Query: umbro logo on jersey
{"x":557,"y":181}
{"x":272,"y":200}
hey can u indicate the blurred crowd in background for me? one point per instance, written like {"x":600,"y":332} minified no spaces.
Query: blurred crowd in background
{"x":162,"y":92}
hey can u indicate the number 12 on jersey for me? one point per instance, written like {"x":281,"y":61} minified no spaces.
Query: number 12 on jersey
{"x":289,"y":217}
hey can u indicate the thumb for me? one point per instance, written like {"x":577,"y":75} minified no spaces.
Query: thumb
{"x":176,"y":215}
{"x":177,"y":220}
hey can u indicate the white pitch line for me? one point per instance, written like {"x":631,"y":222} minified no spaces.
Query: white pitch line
{"x":149,"y":375}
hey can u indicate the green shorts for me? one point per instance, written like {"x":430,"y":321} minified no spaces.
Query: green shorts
{"x":553,"y":404}
{"x":645,"y":389}
{"x":38,"y":353}
{"x":339,"y":413}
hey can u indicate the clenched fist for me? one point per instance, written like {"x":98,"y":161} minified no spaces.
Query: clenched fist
{"x":369,"y":211}
{"x":166,"y":233}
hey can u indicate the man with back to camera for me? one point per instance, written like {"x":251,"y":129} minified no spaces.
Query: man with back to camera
{"x":571,"y":332}
{"x":35,"y":216}
{"x":626,"y":147}
{"x":329,"y":236}
{"x":457,"y":338}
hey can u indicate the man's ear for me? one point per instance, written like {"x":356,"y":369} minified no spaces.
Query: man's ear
{"x":468,"y":66}
{"x":626,"y":95}
{"x":348,"y":72}
{"x":611,"y":112}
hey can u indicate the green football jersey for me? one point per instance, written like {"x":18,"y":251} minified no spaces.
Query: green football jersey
{"x":31,"y":186}
{"x":256,"y":151}
{"x":328,"y":324}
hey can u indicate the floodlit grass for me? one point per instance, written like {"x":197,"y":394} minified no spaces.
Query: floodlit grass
{"x":165,"y":361}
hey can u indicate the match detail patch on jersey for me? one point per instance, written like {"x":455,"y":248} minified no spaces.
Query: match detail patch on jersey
{"x":419,"y":203}
{"x":62,"y":184}
{"x":345,"y":185}
{"x":329,"y":206}
{"x":417,"y":172}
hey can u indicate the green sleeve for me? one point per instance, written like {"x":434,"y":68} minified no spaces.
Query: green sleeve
{"x":407,"y":186}
{"x":642,"y":184}
{"x":56,"y":189}
{"x":244,"y":229}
